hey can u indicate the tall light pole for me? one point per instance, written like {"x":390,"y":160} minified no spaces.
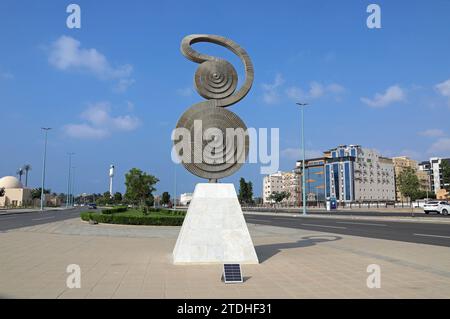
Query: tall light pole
{"x":174,"y":206}
{"x":68,"y":180}
{"x":45,"y":129}
{"x":72,"y":187}
{"x":302,"y":106}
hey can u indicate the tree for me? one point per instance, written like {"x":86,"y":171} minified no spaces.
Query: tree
{"x":117,"y":197}
{"x":140,"y":186}
{"x":279,"y":196}
{"x":20,"y":173}
{"x":165,"y":198}
{"x":2,"y":191}
{"x":409,"y":184}
{"x":36,"y":192}
{"x":26,"y":168}
{"x":245,"y":191}
{"x":446,"y":174}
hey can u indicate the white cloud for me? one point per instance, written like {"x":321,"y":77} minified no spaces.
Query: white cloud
{"x":125,"y":123}
{"x":392,"y":94}
{"x":434,"y":132}
{"x":6,"y":76}
{"x":296,"y":153}
{"x":440,"y":147}
{"x":411,"y":154}
{"x":85,"y":131}
{"x":316,"y":90}
{"x":66,"y":54}
{"x":444,"y":88}
{"x":100,"y":123}
{"x":185,"y":92}
{"x":123,"y":85}
{"x":270,"y":90}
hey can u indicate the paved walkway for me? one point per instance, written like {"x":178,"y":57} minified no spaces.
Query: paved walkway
{"x":135,"y":262}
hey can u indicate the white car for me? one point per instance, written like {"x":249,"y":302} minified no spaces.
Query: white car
{"x":439,"y":207}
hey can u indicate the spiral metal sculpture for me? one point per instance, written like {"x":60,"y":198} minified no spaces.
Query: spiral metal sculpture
{"x":219,"y":142}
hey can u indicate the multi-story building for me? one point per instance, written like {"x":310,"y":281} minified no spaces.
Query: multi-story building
{"x":434,"y":169}
{"x":314,"y":178}
{"x":356,"y":174}
{"x":281,"y":182}
{"x":402,"y":162}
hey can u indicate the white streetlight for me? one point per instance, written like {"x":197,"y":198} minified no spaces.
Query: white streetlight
{"x":45,"y":129}
{"x":174,"y":206}
{"x":72,"y":188}
{"x":68,"y":180}
{"x":302,"y":106}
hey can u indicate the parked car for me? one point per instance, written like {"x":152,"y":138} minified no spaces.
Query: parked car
{"x":439,"y":207}
{"x":92,"y":206}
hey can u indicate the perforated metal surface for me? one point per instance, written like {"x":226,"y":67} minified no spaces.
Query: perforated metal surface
{"x":219,"y":143}
{"x":209,"y":160}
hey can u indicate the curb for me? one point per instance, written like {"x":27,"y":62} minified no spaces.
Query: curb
{"x":373,"y":218}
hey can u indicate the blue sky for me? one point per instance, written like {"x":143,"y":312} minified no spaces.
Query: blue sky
{"x":114,"y":89}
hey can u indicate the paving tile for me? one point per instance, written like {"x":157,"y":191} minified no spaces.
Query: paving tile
{"x":135,"y":262}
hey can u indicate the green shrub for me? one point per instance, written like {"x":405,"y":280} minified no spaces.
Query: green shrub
{"x":159,"y":217}
{"x":114,"y":210}
{"x":86,"y":216}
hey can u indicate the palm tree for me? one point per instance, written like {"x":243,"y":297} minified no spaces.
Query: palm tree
{"x":20,"y":173}
{"x":26,"y":168}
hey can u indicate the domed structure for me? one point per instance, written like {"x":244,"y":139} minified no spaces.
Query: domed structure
{"x":15,"y":195}
{"x":10,"y":182}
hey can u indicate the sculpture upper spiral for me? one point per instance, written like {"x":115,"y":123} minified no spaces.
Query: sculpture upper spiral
{"x":218,"y":146}
{"x":219,"y":64}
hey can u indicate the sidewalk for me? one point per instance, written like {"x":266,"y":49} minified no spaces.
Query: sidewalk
{"x":135,"y":262}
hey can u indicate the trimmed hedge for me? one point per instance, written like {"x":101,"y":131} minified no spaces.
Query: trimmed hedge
{"x":162,"y":218}
{"x":115,"y":210}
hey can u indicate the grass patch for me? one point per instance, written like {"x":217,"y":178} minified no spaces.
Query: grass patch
{"x":159,"y":217}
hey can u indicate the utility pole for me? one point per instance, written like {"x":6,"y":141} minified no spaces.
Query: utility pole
{"x":174,"y":206}
{"x":72,"y":188}
{"x":302,"y":106}
{"x":68,"y":180}
{"x":45,"y":129}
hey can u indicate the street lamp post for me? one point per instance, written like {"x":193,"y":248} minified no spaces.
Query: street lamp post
{"x":45,"y":129}
{"x":72,"y":187}
{"x":174,"y":206}
{"x":68,"y":180}
{"x":302,"y":106}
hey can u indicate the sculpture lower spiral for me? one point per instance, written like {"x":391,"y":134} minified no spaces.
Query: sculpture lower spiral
{"x":218,"y":141}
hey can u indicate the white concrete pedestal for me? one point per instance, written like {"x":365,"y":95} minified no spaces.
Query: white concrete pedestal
{"x":214,"y":230}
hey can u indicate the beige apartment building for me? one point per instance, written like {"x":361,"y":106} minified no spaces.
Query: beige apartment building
{"x":402,"y":162}
{"x":282,"y":182}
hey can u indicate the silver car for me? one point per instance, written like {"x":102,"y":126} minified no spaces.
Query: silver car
{"x":439,"y":207}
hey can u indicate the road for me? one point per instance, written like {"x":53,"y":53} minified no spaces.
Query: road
{"x":349,"y":212}
{"x":413,"y":232}
{"x":13,"y":221}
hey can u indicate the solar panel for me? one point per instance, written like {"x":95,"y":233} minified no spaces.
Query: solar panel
{"x":232,"y":273}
